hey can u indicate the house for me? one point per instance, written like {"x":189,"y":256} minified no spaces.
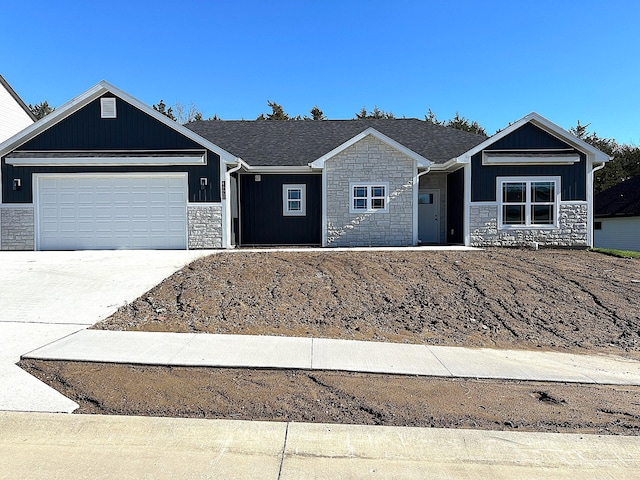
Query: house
{"x":106,"y":171}
{"x":14,"y":114}
{"x":617,"y":216}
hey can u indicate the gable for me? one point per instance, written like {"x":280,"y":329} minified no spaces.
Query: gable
{"x":132,"y":129}
{"x":530,"y":137}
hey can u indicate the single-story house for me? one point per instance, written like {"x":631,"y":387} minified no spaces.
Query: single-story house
{"x":14,"y":114}
{"x":106,"y":171}
{"x":617,"y":216}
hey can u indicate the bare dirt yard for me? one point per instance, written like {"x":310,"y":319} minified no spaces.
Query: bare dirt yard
{"x":560,"y":300}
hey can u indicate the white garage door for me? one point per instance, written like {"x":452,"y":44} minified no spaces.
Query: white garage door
{"x":91,"y":212}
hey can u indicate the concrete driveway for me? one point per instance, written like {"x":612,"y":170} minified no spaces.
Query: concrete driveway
{"x":45,"y":296}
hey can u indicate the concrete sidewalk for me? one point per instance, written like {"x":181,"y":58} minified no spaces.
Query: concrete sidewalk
{"x":207,"y":350}
{"x":58,"y":446}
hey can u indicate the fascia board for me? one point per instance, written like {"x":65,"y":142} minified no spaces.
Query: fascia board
{"x":548,"y":127}
{"x":90,"y":95}
{"x":421,"y":161}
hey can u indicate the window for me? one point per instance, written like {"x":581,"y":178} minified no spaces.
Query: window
{"x":294,"y":200}
{"x":108,"y":107}
{"x":369,"y":197}
{"x":528,"y":202}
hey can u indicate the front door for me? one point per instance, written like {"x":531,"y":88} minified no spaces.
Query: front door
{"x":429,"y":216}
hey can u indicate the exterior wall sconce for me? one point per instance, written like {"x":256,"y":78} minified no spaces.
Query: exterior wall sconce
{"x":203,"y":183}
{"x":17,"y":183}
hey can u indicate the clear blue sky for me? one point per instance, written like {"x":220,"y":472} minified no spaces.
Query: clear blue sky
{"x":491,"y":61}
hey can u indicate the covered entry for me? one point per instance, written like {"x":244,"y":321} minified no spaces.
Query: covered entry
{"x":107,"y":211}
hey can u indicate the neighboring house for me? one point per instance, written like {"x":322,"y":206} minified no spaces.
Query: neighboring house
{"x":14,"y":114}
{"x":106,"y":171}
{"x":617,"y":216}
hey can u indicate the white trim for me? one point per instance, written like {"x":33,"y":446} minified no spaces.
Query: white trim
{"x":226,"y":207}
{"x":286,"y":188}
{"x":16,"y":205}
{"x":36,"y":184}
{"x":489,"y":158}
{"x":277,"y":169}
{"x":466,"y":226}
{"x":528,"y":203}
{"x":549,"y":127}
{"x":370,"y":197}
{"x":324,"y":207}
{"x":89,"y":96}
{"x":108,"y":107}
{"x":90,"y":161}
{"x":422,"y":162}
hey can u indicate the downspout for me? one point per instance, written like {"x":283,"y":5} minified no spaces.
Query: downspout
{"x":592,"y":205}
{"x":227,"y":207}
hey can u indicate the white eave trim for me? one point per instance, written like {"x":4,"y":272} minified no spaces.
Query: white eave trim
{"x":90,"y":95}
{"x":421,"y":161}
{"x":528,"y":159}
{"x":276,"y":169}
{"x":106,"y":161}
{"x":546,"y":125}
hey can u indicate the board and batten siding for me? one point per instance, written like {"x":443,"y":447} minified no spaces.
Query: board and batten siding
{"x":132,"y":131}
{"x":13,"y":118}
{"x":261,"y":217}
{"x":622,"y":233}
{"x":526,"y":139}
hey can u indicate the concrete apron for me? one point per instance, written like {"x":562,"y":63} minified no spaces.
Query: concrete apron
{"x":90,"y":446}
{"x":46,"y":296}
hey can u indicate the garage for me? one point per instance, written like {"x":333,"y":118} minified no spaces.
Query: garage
{"x":111,"y":211}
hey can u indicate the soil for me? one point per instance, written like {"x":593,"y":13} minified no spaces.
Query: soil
{"x":341,"y":397}
{"x":561,"y":300}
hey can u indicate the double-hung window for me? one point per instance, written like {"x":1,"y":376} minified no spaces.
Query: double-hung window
{"x":294,"y":200}
{"x":528,"y":202}
{"x":369,"y":197}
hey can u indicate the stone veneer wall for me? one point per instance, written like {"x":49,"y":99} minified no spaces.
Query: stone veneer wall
{"x":204,"y":226}
{"x":572,"y":231}
{"x":369,"y":160}
{"x":17,"y":228}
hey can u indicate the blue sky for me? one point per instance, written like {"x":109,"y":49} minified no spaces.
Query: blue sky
{"x":491,"y":61}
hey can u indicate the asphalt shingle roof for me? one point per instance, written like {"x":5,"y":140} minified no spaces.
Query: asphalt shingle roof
{"x":622,"y":199}
{"x":300,"y":142}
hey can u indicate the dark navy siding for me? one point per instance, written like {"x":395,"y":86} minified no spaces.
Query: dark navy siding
{"x":132,"y":130}
{"x":24,"y":194}
{"x":455,"y":206}
{"x":528,"y":137}
{"x":261,"y":219}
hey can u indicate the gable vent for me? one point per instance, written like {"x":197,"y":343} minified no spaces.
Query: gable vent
{"x":108,"y":108}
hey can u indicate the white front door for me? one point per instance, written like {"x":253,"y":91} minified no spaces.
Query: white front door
{"x":429,"y":216}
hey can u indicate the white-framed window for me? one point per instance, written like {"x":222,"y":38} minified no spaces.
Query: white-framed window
{"x":528,"y":202}
{"x":294,"y":200}
{"x":369,"y":197}
{"x":108,"y":107}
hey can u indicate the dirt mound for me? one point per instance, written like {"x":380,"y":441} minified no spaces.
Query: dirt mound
{"x":506,"y":298}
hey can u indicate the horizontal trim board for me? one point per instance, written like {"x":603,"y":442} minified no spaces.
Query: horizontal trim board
{"x":105,"y":161}
{"x":529,"y":159}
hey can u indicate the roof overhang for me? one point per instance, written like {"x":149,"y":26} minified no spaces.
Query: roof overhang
{"x":547,"y":126}
{"x":420,"y":160}
{"x":89,"y":96}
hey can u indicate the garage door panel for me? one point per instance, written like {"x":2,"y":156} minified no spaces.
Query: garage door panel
{"x":112,"y":211}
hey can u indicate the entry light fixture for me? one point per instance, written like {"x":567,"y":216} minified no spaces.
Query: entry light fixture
{"x":17,"y":183}
{"x":203,"y":183}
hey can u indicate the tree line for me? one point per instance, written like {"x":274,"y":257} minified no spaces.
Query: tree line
{"x":625,"y":163}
